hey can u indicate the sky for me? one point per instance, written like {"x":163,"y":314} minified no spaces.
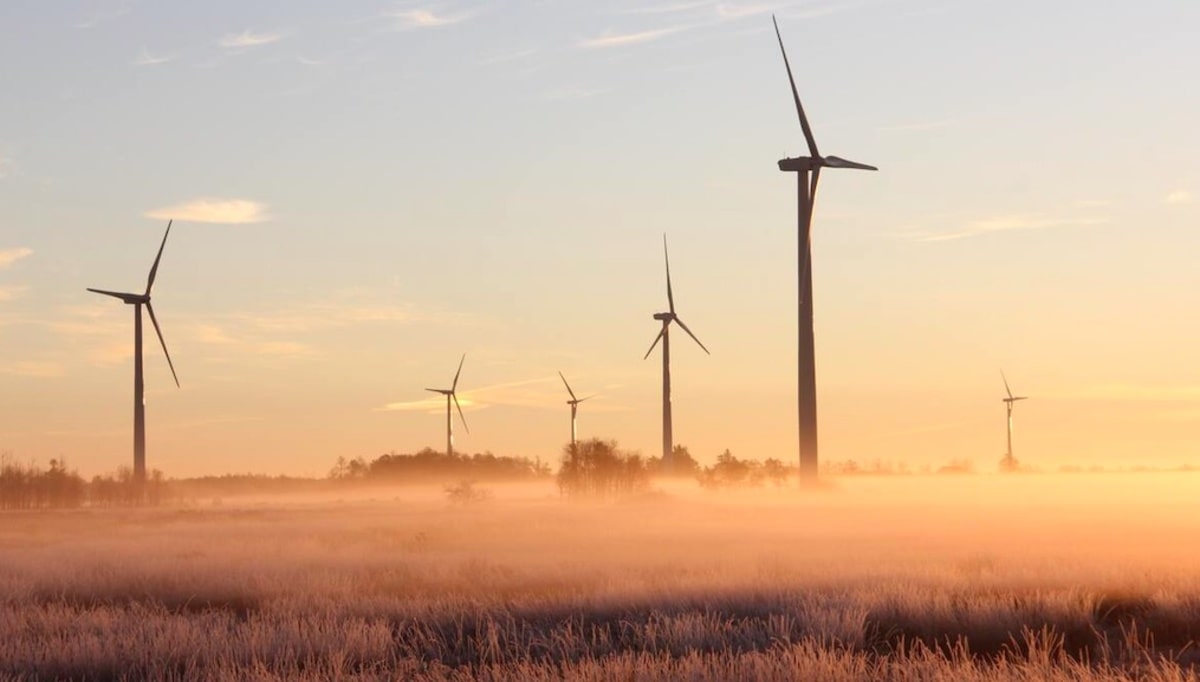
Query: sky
{"x":364,"y":191}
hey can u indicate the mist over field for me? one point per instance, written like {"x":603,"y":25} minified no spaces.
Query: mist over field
{"x":1081,"y":576}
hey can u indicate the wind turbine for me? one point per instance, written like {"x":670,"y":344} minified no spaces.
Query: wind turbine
{"x":664,"y":335}
{"x":808,"y":171}
{"x":139,"y":401}
{"x":451,"y":395}
{"x":574,"y":403}
{"x":1009,"y":463}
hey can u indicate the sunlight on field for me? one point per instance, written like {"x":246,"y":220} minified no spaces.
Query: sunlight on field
{"x":963,"y":577}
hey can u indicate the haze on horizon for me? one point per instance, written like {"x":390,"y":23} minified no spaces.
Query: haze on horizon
{"x":363,"y":193}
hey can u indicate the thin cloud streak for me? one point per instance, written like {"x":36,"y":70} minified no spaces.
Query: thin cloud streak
{"x":11,"y":292}
{"x":147,"y":59}
{"x":10,"y":256}
{"x":1007,"y":224}
{"x":623,"y":39}
{"x":409,"y":19}
{"x":226,"y":211}
{"x":245,"y":39}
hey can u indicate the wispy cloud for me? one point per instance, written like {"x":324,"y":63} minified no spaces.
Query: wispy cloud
{"x":33,"y":368}
{"x":10,"y":292}
{"x":737,"y":10}
{"x":512,"y":393}
{"x":10,"y":256}
{"x":1178,"y":197}
{"x":237,"y":41}
{"x":672,"y":8}
{"x":1006,"y":224}
{"x":228,"y":211}
{"x":573,"y":93}
{"x":147,"y":59}
{"x":408,"y":19}
{"x":1140,"y":392}
{"x":917,"y":126}
{"x":623,"y":39}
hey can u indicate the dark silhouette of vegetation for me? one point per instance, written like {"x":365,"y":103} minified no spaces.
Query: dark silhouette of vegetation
{"x":431,"y":466}
{"x":683,"y":465}
{"x":597,"y":468}
{"x":28,"y":486}
{"x":465,"y":492}
{"x":731,"y":472}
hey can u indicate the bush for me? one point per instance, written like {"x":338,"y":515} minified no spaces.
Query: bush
{"x":596,"y":468}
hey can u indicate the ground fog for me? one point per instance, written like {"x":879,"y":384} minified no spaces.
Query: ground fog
{"x":973,"y":577}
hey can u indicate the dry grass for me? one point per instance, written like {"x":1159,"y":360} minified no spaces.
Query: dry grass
{"x":941,"y":578}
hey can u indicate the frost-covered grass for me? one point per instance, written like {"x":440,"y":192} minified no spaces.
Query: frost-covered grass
{"x":939,"y":578}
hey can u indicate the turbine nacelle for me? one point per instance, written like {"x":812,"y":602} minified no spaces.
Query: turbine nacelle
{"x":664,"y":317}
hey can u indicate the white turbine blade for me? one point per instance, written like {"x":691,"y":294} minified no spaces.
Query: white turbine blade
{"x":689,"y":333}
{"x":115,"y":294}
{"x":656,"y":339}
{"x":837,"y":162}
{"x":560,"y":374}
{"x":154,"y":268}
{"x":460,"y":364}
{"x":150,"y":309}
{"x":461,"y":417}
{"x":808,"y":136}
{"x":667,"y":260}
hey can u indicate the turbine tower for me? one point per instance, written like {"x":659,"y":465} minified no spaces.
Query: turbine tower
{"x":808,"y":171}
{"x":664,"y":335}
{"x":1009,"y":463}
{"x":574,"y":403}
{"x":139,"y":402}
{"x":451,"y":395}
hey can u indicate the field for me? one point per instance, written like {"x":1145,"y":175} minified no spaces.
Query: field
{"x":976,"y":577}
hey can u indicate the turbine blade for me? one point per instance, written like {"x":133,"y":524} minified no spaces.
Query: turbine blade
{"x":667,"y":260}
{"x":460,"y":364}
{"x":808,"y":136}
{"x":806,"y":265}
{"x":837,"y":162}
{"x":461,"y":417}
{"x":150,"y":309}
{"x":1006,"y":388}
{"x":689,"y":333}
{"x":560,"y":374}
{"x":154,"y":268}
{"x":435,"y":390}
{"x":114,"y":294}
{"x":587,"y":398}
{"x":656,"y":339}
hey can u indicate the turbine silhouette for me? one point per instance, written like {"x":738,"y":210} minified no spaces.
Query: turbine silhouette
{"x":664,"y":335}
{"x":574,"y":403}
{"x":808,"y":172}
{"x":451,"y":395}
{"x":1010,"y":462}
{"x":139,"y":400}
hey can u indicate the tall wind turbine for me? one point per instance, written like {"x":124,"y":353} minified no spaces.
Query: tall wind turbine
{"x":664,"y":335}
{"x":1009,"y":463}
{"x":451,"y":395}
{"x":808,"y":171}
{"x":139,"y":402}
{"x":574,"y":403}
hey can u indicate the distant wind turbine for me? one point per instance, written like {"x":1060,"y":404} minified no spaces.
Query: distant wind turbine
{"x":664,"y":335}
{"x":808,"y":171}
{"x":1009,"y":463}
{"x":451,"y":395}
{"x":139,"y":401}
{"x":574,"y":403}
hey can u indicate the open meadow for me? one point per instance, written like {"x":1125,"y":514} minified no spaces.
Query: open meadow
{"x":971,"y":577}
